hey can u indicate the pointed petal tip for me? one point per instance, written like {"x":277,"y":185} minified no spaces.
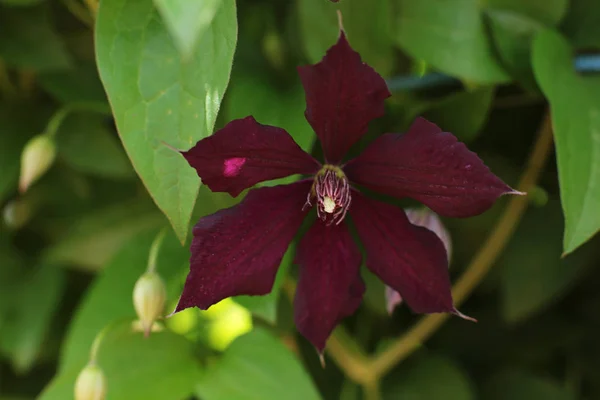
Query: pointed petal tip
{"x":463,"y":316}
{"x":321,"y":358}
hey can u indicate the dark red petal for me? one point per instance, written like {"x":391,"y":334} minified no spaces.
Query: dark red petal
{"x":330,"y":287}
{"x":238,"y":250}
{"x":410,"y":259}
{"x":430,"y":166}
{"x":343,"y":95}
{"x":245,"y":153}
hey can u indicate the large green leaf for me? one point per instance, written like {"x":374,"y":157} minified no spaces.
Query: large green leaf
{"x":521,"y":385}
{"x":28,"y":39}
{"x":533,"y":274}
{"x":449,"y":35}
{"x":548,"y":12}
{"x":86,"y":144}
{"x":320,"y":30}
{"x":160,"y":367}
{"x":575,"y":106}
{"x":187,"y":20}
{"x":430,"y":377}
{"x":513,"y":24}
{"x":34,"y":299}
{"x":157,"y":98}
{"x":256,"y":366}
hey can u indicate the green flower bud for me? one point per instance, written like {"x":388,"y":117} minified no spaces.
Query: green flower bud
{"x":16,"y":213}
{"x":37,"y":157}
{"x":149,"y":296}
{"x":90,"y":384}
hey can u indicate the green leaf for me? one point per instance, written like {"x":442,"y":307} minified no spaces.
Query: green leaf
{"x":28,"y":39}
{"x":94,"y":239}
{"x":256,"y":366}
{"x":187,"y":21}
{"x":252,"y":95}
{"x":450,"y":36}
{"x":161,"y":366}
{"x":85,"y":143}
{"x":575,"y":106}
{"x":582,"y":23}
{"x":34,"y":299}
{"x":156,"y":97}
{"x":533,"y":274}
{"x":548,"y":12}
{"x":320,"y":30}
{"x":513,"y":24}
{"x":79,"y":84}
{"x":512,"y":34}
{"x":521,"y":385}
{"x":464,"y":113}
{"x":415,"y":383}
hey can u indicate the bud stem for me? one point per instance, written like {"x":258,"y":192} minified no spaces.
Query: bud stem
{"x":59,"y":116}
{"x":156,"y":244}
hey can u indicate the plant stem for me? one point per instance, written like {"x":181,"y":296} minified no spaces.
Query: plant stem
{"x":481,"y":264}
{"x":154,"y":250}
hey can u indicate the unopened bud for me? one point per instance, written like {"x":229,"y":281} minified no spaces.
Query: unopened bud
{"x":16,"y":213}
{"x":427,"y":219}
{"x":90,"y":384}
{"x":149,"y":295}
{"x":38,"y":155}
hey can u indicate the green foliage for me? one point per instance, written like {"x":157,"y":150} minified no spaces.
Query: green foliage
{"x":576,"y":119}
{"x":256,"y":366}
{"x":117,"y":85}
{"x":451,"y":382}
{"x":160,"y":100}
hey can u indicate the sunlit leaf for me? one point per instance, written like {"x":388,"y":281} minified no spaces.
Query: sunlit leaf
{"x":188,"y":20}
{"x":157,"y":98}
{"x":575,"y":106}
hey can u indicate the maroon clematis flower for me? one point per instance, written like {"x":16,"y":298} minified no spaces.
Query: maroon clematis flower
{"x":237,"y":251}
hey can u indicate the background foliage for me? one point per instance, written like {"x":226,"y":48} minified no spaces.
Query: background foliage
{"x":114,"y":84}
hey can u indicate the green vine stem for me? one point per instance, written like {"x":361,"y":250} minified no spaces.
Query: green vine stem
{"x":61,"y":114}
{"x":368,"y":371}
{"x":482,"y":262}
{"x":156,"y":244}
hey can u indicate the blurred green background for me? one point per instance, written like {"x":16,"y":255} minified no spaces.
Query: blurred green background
{"x":73,"y":244}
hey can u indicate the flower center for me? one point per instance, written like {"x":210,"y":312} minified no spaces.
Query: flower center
{"x":332,"y":192}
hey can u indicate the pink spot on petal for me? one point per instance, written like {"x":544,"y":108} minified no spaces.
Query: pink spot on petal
{"x":233,"y":166}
